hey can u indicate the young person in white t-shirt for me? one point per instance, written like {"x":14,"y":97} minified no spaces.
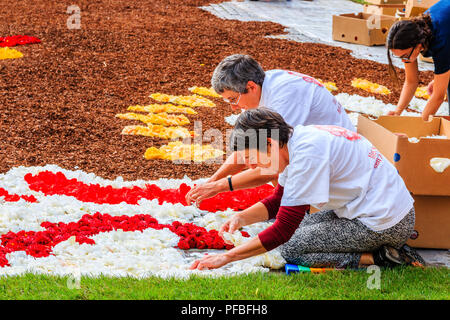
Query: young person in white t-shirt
{"x":367,"y":213}
{"x":298,"y":98}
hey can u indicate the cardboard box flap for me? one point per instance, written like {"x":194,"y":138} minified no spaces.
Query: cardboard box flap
{"x":444,"y":130}
{"x":412,"y":160}
{"x":411,"y":126}
{"x":384,"y":141}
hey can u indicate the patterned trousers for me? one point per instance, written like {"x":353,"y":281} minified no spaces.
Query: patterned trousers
{"x":325,"y":240}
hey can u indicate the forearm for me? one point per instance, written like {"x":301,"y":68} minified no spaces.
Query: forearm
{"x":409,"y":86}
{"x":256,"y":213}
{"x":229,"y":167}
{"x":408,"y":91}
{"x":249,"y":249}
{"x":432,"y":106}
{"x":440,"y":86}
{"x":251,"y":178}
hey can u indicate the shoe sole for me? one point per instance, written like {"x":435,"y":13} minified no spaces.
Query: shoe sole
{"x":393,"y":255}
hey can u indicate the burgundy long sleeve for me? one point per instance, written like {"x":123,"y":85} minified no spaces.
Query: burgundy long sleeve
{"x":273,"y":201}
{"x":287,"y":220}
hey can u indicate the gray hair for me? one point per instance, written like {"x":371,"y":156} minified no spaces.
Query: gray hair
{"x":235,"y":71}
{"x":254,"y":126}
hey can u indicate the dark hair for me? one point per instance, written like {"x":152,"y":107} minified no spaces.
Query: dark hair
{"x":254,"y":126}
{"x":406,"y":34}
{"x":235,"y":71}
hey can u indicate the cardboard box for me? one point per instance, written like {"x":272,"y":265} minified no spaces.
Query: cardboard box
{"x":387,"y":9}
{"x":412,"y":160}
{"x":362,"y":28}
{"x":415,"y":8}
{"x":432,"y":222}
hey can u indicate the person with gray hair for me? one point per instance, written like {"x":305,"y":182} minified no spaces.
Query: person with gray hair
{"x":366,"y":212}
{"x":299,"y":98}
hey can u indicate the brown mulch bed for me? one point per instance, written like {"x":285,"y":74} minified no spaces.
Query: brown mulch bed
{"x":58,"y":102}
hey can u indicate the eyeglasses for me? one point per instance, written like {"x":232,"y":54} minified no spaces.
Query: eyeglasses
{"x":233,"y":101}
{"x":406,"y":59}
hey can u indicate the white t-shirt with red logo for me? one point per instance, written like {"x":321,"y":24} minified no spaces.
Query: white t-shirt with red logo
{"x":333,"y":168}
{"x":302,"y":100}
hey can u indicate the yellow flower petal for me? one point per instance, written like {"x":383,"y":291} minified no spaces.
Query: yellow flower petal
{"x":158,"y":131}
{"x":190,"y":101}
{"x":178,"y":151}
{"x":156,"y":118}
{"x":203,"y":91}
{"x":370,"y":86}
{"x":331,"y":86}
{"x":158,"y":108}
{"x":8,"y":53}
{"x":421,"y":92}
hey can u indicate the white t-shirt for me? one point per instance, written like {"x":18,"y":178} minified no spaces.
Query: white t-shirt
{"x":336,"y":169}
{"x":301,"y":100}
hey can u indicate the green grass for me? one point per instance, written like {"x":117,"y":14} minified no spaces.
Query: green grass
{"x":401,"y":283}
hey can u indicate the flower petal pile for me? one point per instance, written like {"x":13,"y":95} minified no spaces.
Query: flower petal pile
{"x":190,"y":101}
{"x":60,"y":232}
{"x":203,"y":91}
{"x":370,"y":86}
{"x":330,"y":86}
{"x":14,"y":197}
{"x":159,"y":108}
{"x":156,"y":118}
{"x":158,"y":131}
{"x":39,"y":244}
{"x":7,"y":53}
{"x":13,"y":41}
{"x":178,"y":150}
{"x":422,"y":92}
{"x":51,"y":183}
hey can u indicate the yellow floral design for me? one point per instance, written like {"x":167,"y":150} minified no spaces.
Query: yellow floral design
{"x":156,"y":118}
{"x":158,"y":131}
{"x":190,"y":101}
{"x":179,"y":151}
{"x":370,"y":86}
{"x":8,"y":53}
{"x":159,"y":108}
{"x":203,"y":91}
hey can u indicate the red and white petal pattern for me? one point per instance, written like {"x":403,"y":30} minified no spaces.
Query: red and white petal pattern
{"x":61,"y":222}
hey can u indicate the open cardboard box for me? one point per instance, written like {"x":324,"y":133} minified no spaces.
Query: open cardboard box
{"x":417,"y":7}
{"x":362,"y":28}
{"x":431,"y":190}
{"x":384,"y":9}
{"x":412,"y":160}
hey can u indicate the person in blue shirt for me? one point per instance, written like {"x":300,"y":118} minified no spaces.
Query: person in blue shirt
{"x":428,"y":34}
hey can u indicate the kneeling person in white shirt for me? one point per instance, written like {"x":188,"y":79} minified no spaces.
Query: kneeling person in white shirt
{"x":367,"y":213}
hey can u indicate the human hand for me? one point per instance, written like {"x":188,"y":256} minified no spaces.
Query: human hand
{"x":211,"y":262}
{"x":425,"y":116}
{"x":204,"y":191}
{"x":232,"y":224}
{"x":396,"y":112}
